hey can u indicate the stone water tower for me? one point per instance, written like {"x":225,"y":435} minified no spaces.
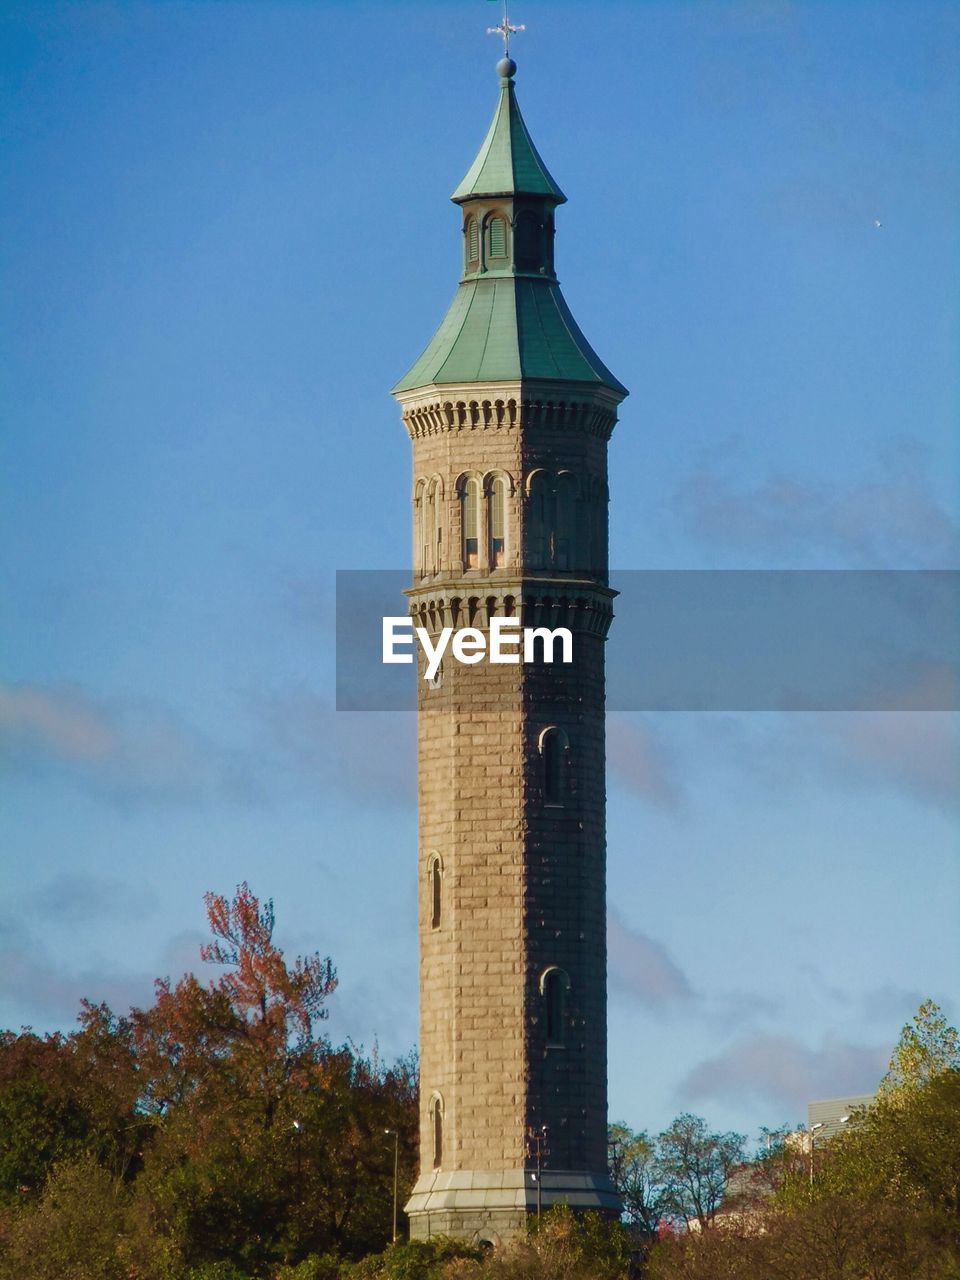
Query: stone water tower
{"x":509,"y":411}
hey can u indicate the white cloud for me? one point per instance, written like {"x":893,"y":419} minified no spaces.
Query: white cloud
{"x":642,"y":967}
{"x":638,"y":759}
{"x":892,"y":520}
{"x":780,"y":1069}
{"x":127,"y":751}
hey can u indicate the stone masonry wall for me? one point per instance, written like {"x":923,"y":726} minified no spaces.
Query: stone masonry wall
{"x":522,"y":879}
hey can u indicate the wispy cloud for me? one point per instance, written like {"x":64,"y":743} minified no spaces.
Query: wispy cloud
{"x":915,"y":754}
{"x":366,"y":754}
{"x":639,"y":759}
{"x":72,"y":898}
{"x":127,"y":751}
{"x":641,"y":967}
{"x":781,"y":1070}
{"x":891,"y":520}
{"x":50,"y":994}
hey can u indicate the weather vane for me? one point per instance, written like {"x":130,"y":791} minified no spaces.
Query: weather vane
{"x":505,"y":29}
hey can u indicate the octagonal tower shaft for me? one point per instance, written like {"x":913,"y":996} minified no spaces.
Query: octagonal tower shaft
{"x":509,"y":411}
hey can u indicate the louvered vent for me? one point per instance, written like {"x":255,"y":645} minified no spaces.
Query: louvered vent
{"x":473,"y":241}
{"x":498,"y":238}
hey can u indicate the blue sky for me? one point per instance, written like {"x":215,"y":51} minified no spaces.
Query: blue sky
{"x":226,"y":234}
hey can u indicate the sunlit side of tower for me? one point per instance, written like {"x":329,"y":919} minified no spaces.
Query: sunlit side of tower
{"x":509,"y":411}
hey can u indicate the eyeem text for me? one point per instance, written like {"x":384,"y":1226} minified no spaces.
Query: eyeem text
{"x":508,"y":642}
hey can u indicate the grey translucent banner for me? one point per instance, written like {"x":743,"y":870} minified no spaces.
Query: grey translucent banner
{"x":719,"y":640}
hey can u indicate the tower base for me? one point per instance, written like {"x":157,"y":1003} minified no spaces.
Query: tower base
{"x":490,"y":1206}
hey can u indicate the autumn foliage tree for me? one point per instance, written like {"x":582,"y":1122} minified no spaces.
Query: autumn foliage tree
{"x":227,"y":1131}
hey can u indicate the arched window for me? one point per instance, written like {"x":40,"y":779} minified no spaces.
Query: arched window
{"x":554,"y":985}
{"x":472,"y":239}
{"x":553,"y":745}
{"x":436,"y":891}
{"x":421,"y":547}
{"x":470,"y":522}
{"x":497,"y":522}
{"x":434,"y":528}
{"x":526,"y":242}
{"x":565,"y":539}
{"x":497,"y":237}
{"x":538,"y":512}
{"x":436,"y":1119}
{"x":553,"y":750}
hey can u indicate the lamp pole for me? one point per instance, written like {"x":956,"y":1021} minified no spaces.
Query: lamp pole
{"x":537,"y":1139}
{"x":298,"y":1130}
{"x":814,"y":1128}
{"x":396,"y":1167}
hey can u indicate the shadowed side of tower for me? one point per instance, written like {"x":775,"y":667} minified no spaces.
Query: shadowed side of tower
{"x":509,"y":411}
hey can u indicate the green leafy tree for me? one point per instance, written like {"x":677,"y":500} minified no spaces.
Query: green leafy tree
{"x":885,"y":1204}
{"x":636,"y":1174}
{"x":927,"y":1047}
{"x":61,"y":1096}
{"x":74,"y":1232}
{"x":696,"y":1166}
{"x":42,"y":1117}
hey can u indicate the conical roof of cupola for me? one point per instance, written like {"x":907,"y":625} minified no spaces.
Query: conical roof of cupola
{"x":508,"y":320}
{"x":508,"y":164}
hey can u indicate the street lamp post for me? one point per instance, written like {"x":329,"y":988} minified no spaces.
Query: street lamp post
{"x":813,"y":1132}
{"x":396,"y":1167}
{"x":537,"y":1139}
{"x":298,"y":1129}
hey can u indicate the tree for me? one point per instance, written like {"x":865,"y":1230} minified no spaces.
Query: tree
{"x":61,"y":1096}
{"x":635,"y":1172}
{"x":164,"y":1144}
{"x":255,"y":1025}
{"x":270,"y":1143}
{"x":75,"y":1231}
{"x":272,"y":998}
{"x":927,"y":1047}
{"x":696,"y":1166}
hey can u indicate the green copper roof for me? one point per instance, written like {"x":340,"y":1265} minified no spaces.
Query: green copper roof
{"x":507,"y":164}
{"x":506,"y":329}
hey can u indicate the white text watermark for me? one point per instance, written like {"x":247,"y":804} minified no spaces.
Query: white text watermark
{"x":507,"y":643}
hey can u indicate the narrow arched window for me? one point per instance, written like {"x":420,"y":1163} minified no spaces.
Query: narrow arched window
{"x":470,"y":517}
{"x":434,"y":529}
{"x":421,"y":542}
{"x":538,"y":514}
{"x":473,"y":243}
{"x":436,"y":892}
{"x":553,"y":987}
{"x":498,"y":238}
{"x":498,"y":521}
{"x":437,"y":1121}
{"x":565,"y":536}
{"x":552,"y":750}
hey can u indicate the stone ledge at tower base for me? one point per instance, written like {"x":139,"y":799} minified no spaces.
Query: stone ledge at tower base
{"x":493,"y":1205}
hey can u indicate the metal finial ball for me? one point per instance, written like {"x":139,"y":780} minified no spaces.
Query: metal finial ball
{"x":506,"y":67}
